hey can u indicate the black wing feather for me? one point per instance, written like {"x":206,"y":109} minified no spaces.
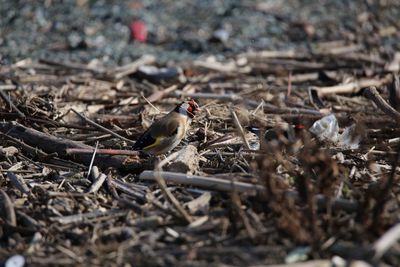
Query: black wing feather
{"x":144,"y":140}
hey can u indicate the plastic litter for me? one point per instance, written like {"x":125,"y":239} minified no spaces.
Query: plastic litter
{"x":327,"y":129}
{"x":139,"y":31}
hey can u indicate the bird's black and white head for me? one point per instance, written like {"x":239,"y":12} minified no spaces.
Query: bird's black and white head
{"x":187,"y":108}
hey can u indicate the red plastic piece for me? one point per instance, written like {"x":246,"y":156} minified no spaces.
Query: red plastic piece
{"x":139,"y":31}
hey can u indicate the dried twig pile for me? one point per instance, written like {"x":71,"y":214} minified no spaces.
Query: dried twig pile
{"x":226,"y":195}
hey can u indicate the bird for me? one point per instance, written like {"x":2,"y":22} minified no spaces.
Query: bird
{"x":167,"y":132}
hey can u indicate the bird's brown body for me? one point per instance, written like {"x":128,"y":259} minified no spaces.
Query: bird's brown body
{"x":166,"y":133}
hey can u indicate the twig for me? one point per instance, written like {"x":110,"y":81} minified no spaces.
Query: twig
{"x":240,"y":129}
{"x":161,"y":183}
{"x":92,"y":160}
{"x":102,"y":151}
{"x":221,"y":97}
{"x":69,"y":65}
{"x":382,"y":198}
{"x":372,"y":94}
{"x":98,"y":182}
{"x":8,"y":207}
{"x":161,"y":93}
{"x":387,"y":240}
{"x":348,"y":88}
{"x":51,"y":144}
{"x":203,"y":182}
{"x":8,"y":100}
{"x":148,"y":102}
{"x":104,"y":129}
{"x":76,"y":218}
{"x":213,"y":183}
{"x":130,"y":68}
{"x":277,"y":110}
{"x":7,"y":87}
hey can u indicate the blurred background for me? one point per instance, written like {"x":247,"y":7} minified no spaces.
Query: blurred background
{"x":116,"y":32}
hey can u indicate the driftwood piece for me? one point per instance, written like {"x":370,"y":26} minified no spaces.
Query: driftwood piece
{"x":186,"y":161}
{"x":200,"y":204}
{"x":373,"y":94}
{"x":386,"y":241}
{"x":98,"y":214}
{"x":7,"y":99}
{"x":348,"y":88}
{"x":52,"y":144}
{"x":218,"y":184}
{"x":99,"y":179}
{"x":204,"y":182}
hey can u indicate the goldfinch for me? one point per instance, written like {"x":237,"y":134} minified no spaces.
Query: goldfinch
{"x":166,"y":133}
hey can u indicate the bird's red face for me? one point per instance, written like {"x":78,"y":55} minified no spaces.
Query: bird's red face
{"x":192,"y":108}
{"x":188,"y":108}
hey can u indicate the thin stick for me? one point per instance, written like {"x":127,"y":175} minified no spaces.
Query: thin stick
{"x":92,"y":160}
{"x":221,"y":97}
{"x":8,"y":100}
{"x":348,"y":88}
{"x":130,"y":68}
{"x":204,"y":182}
{"x":240,"y":129}
{"x":387,"y":240}
{"x":213,"y":183}
{"x":163,"y":186}
{"x":102,"y":151}
{"x":148,"y":102}
{"x":8,"y":208}
{"x":97,"y":183}
{"x":372,"y":94}
{"x":97,"y":214}
{"x":104,"y":129}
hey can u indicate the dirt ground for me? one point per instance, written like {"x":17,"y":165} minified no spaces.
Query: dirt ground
{"x":293,"y":157}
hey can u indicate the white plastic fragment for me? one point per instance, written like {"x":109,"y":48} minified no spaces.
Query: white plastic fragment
{"x":348,"y":139}
{"x":327,"y":129}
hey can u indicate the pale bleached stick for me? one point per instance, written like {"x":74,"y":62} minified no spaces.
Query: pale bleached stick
{"x":386,"y":241}
{"x":102,"y":151}
{"x":98,"y":180}
{"x":218,"y":184}
{"x":222,"y":97}
{"x":203,"y":182}
{"x":77,"y":218}
{"x":130,"y":68}
{"x":348,"y":88}
{"x":163,"y":185}
{"x":373,"y":94}
{"x":240,"y":129}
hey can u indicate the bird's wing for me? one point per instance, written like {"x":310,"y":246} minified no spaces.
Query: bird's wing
{"x":159,"y":130}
